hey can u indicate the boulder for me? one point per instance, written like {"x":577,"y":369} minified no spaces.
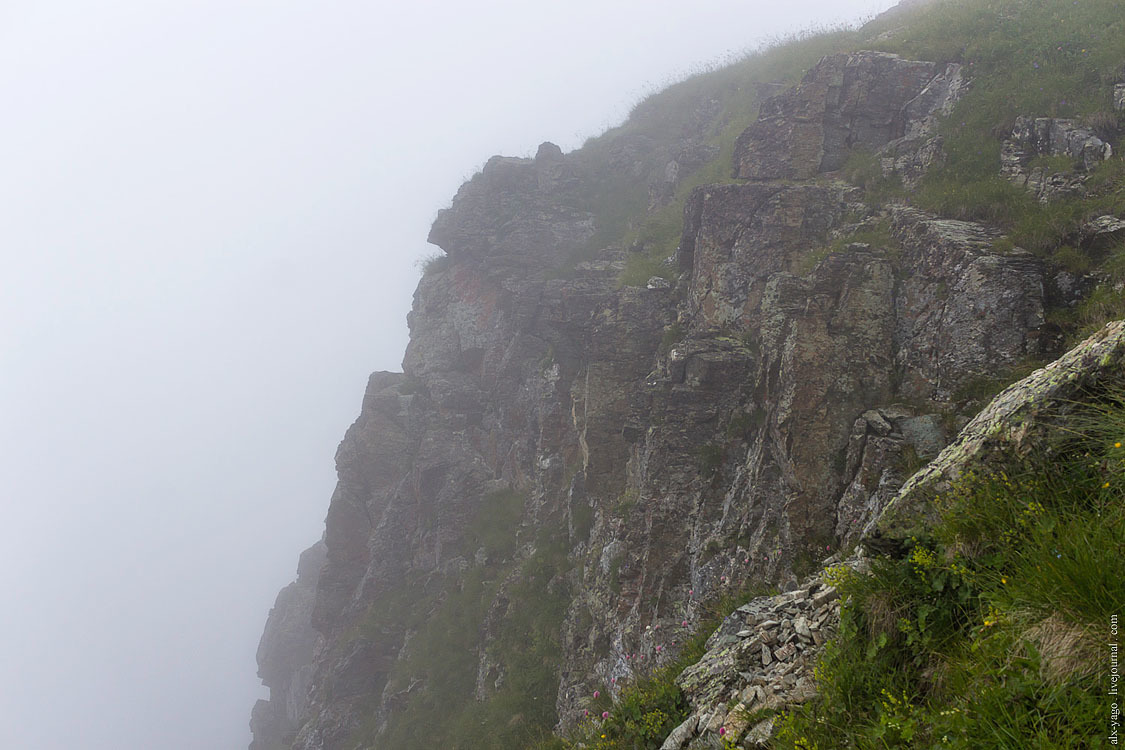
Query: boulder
{"x":844,"y":102}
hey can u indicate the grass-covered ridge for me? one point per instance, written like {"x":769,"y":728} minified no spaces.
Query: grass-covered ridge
{"x":1035,"y":59}
{"x":714,"y":106}
{"x":992,"y":631}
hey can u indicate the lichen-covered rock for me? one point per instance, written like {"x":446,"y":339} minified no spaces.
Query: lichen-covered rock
{"x":844,"y":102}
{"x":963,"y":310}
{"x":1049,"y":136}
{"x":1010,"y":425}
{"x":1102,"y":232}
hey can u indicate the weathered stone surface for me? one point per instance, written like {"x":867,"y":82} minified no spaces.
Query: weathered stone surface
{"x":1102,"y":232}
{"x":1119,"y":96}
{"x":519,"y":211}
{"x":844,"y":102}
{"x":1048,"y":136}
{"x":1010,"y":425}
{"x":963,"y":311}
{"x":736,"y":236}
{"x":910,"y":156}
{"x":681,"y":734}
{"x":783,"y":677}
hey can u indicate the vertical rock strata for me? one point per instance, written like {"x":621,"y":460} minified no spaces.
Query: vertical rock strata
{"x":731,"y":429}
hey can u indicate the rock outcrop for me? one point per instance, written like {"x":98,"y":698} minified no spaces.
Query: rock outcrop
{"x":865,"y":100}
{"x":1015,"y":422}
{"x":285,"y":656}
{"x":1051,"y":137}
{"x":760,"y":660}
{"x":517,"y":211}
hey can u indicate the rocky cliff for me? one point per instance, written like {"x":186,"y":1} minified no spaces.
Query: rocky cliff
{"x":570,"y":469}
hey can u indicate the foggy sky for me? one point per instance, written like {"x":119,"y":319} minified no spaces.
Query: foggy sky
{"x":210,"y":216}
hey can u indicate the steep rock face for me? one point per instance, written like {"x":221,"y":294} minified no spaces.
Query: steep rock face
{"x":1012,"y":424}
{"x":920,"y":147}
{"x":860,"y":100}
{"x":963,"y":309}
{"x":731,"y":429}
{"x":737,"y":236}
{"x":763,"y":654}
{"x":517,"y":210}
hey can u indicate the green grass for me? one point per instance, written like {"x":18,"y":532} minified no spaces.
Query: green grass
{"x":876,"y":234}
{"x":617,"y":194}
{"x":863,"y":169}
{"x":433,"y":263}
{"x":977,"y":391}
{"x":1104,"y":304}
{"x":989,"y":633}
{"x":444,"y":655}
{"x":1032,"y":59}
